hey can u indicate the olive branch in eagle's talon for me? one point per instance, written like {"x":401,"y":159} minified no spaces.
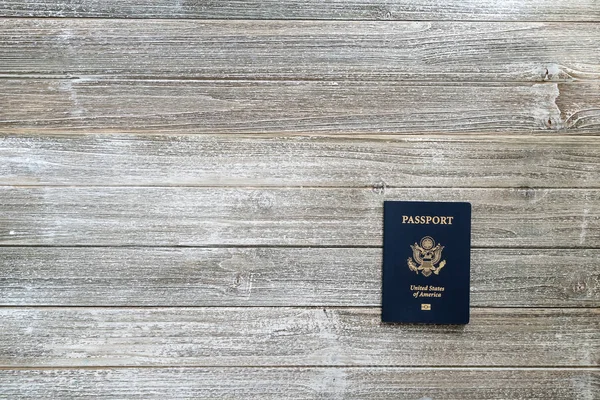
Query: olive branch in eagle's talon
{"x":413,"y":266}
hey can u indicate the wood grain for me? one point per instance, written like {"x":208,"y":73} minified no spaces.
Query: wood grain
{"x":303,"y":383}
{"x":189,"y":106}
{"x":487,"y":10}
{"x":315,"y":50}
{"x":191,"y":197}
{"x":256,"y":336}
{"x":234,"y":160}
{"x":276,"y":277}
{"x":158,"y":216}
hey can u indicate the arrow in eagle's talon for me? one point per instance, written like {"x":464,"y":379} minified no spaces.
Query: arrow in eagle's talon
{"x":442,"y":263}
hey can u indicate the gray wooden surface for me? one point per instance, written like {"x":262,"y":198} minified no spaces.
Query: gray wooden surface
{"x":191,"y":106}
{"x":259,"y":276}
{"x":377,"y":161}
{"x":209,"y":216}
{"x":399,"y":51}
{"x":485,"y":10}
{"x":286,"y":336}
{"x":304,"y":383}
{"x":191,"y":196}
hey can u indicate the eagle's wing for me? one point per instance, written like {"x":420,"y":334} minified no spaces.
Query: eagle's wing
{"x":417,"y":251}
{"x":437,"y":254}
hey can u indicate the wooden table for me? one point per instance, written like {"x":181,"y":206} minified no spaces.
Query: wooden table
{"x":191,"y":196}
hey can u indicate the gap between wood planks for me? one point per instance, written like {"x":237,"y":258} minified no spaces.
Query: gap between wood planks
{"x":251,"y":187}
{"x":357,"y":20}
{"x":266,"y":79}
{"x":288,"y":306}
{"x":266,"y":246}
{"x":412,"y":368}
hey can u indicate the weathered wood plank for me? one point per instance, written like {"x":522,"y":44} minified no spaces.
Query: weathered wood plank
{"x":278,"y":336}
{"x":242,"y":160}
{"x":189,"y":106}
{"x":485,"y":10}
{"x":276,"y":277}
{"x":302,"y":383}
{"x":301,"y":49}
{"x":153,"y":216}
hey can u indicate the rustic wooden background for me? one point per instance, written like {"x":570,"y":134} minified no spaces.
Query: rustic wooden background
{"x":191,"y":196}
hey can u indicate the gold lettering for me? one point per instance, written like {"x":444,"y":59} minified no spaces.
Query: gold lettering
{"x":429,"y":294}
{"x":426,"y":219}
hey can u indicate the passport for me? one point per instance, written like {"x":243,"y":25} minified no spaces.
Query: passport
{"x":426,"y":262}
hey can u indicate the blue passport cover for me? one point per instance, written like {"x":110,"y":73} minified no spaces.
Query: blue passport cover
{"x":426,"y":262}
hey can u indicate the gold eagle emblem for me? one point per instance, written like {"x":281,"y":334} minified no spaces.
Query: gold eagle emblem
{"x":426,"y":254}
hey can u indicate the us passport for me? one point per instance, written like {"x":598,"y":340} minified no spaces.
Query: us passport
{"x":426,"y":262}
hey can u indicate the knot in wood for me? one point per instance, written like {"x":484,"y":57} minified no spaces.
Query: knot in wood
{"x":379,"y":187}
